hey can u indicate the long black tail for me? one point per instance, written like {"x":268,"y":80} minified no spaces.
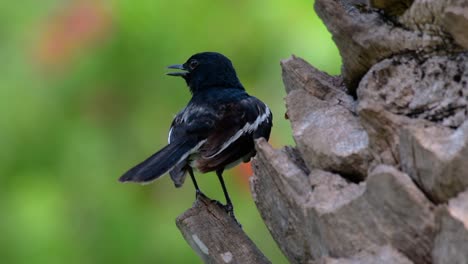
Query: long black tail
{"x":160,"y":162}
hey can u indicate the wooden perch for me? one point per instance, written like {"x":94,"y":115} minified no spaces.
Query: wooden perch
{"x":215,"y":236}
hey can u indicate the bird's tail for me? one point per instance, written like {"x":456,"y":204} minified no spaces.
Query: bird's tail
{"x":160,"y":162}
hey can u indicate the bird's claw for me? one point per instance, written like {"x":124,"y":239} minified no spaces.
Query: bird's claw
{"x":230,"y":210}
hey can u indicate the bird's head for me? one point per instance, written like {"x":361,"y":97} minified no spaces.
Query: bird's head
{"x":207,"y":70}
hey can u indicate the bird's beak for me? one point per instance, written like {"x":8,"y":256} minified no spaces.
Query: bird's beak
{"x":182,"y":73}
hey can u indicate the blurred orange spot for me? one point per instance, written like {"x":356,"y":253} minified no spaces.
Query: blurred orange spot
{"x":79,"y":24}
{"x":243,"y":171}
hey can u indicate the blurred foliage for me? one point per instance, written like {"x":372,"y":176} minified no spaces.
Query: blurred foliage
{"x":83,"y":97}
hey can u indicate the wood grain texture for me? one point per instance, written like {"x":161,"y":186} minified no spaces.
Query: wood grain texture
{"x":318,"y":105}
{"x":365,"y":36}
{"x":374,"y":255}
{"x":320,"y":214}
{"x":215,"y":236}
{"x":451,"y":243}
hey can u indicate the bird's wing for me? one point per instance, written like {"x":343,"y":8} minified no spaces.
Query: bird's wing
{"x":193,"y":121}
{"x":236,"y":119}
{"x":189,"y":132}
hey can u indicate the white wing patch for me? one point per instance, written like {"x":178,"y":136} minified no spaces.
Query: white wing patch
{"x":169,"y":137}
{"x":248,"y":128}
{"x":190,"y":152}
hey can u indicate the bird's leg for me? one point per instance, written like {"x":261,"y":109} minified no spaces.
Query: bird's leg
{"x":229,"y":207}
{"x":197,"y":190}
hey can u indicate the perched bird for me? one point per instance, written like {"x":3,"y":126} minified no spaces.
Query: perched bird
{"x":215,"y":131}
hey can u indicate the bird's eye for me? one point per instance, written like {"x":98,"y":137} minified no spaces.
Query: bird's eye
{"x":193,"y":64}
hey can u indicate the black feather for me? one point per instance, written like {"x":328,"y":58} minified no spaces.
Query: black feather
{"x":178,"y":173}
{"x":160,"y":162}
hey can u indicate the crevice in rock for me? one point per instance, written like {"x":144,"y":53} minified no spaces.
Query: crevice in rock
{"x":295,"y":156}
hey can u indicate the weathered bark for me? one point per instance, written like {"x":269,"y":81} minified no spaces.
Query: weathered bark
{"x":365,"y":36}
{"x":451,"y":244}
{"x":430,"y":88}
{"x":391,"y":7}
{"x":455,"y":20}
{"x":215,"y":236}
{"x":380,"y":255}
{"x":436,"y":158}
{"x":318,"y":105}
{"x":378,"y":149}
{"x":319,"y":214}
{"x":329,"y":122}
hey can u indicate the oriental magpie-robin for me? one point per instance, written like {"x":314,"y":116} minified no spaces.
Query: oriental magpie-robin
{"x":215,"y":131}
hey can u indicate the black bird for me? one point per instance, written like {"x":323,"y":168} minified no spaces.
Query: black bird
{"x":215,"y":131}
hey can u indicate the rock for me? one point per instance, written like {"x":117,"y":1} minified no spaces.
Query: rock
{"x":436,"y":158}
{"x":451,"y":243}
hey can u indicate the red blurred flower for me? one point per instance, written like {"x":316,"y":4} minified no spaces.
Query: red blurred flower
{"x":243,"y":171}
{"x":79,"y":24}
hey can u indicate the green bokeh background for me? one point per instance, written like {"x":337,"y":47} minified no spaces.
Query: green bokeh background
{"x":69,"y":128}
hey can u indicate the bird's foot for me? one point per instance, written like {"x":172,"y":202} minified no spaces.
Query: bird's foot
{"x":230,"y":210}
